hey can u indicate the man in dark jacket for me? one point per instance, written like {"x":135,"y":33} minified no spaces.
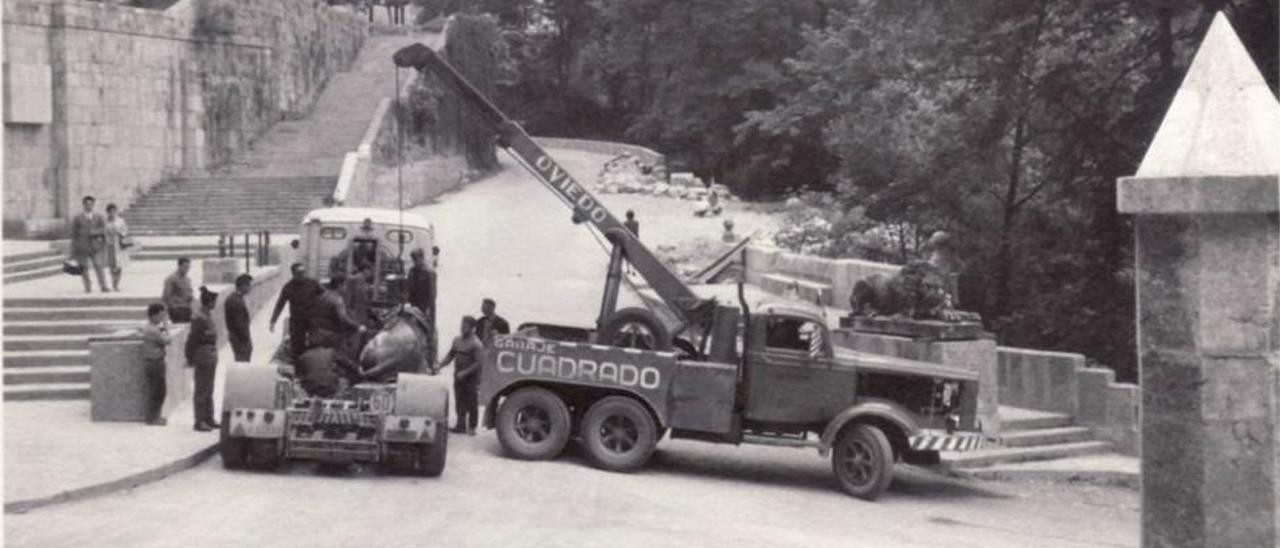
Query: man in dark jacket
{"x":237,"y":317}
{"x":202,"y":354}
{"x":301,"y":293}
{"x":490,"y":323}
{"x":331,"y":325}
{"x":422,"y":285}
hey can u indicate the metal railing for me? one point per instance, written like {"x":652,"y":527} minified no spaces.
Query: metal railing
{"x":256,"y":247}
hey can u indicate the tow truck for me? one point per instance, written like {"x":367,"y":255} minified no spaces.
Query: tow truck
{"x":707,"y":371}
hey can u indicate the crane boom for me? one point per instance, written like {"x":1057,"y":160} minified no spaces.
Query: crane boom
{"x":691,"y":309}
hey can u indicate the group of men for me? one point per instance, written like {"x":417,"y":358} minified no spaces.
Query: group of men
{"x":337,"y":316}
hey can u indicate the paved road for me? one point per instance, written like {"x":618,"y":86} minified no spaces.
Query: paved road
{"x":509,"y":239}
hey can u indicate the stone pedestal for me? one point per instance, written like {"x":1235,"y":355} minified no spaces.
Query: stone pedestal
{"x":118,"y":389}
{"x":1208,"y":242}
{"x":977,"y":355}
{"x":221,"y":270}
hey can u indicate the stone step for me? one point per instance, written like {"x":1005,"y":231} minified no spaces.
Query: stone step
{"x":30,"y":255}
{"x":46,"y":342}
{"x":14,"y":267}
{"x":76,"y":302}
{"x":45,"y":358}
{"x":148,"y":255}
{"x":12,"y":329}
{"x":74,"y":314}
{"x":47,"y":391}
{"x":46,"y":272}
{"x":182,"y":247}
{"x":1046,"y":436}
{"x":998,"y":455}
{"x":47,"y":375}
{"x":1027,"y":419}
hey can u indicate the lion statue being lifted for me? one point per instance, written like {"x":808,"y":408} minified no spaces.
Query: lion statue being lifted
{"x":918,"y":292}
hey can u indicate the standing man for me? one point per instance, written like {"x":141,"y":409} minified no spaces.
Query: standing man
{"x":301,"y":293}
{"x":89,"y":244}
{"x":490,"y":323}
{"x":467,"y":351}
{"x":155,"y":339}
{"x":236,"y":314}
{"x":422,"y":284}
{"x":202,"y":355}
{"x":177,"y":295}
{"x":331,"y":325}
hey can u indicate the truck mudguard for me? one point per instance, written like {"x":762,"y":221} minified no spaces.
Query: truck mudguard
{"x":514,"y":359}
{"x":870,"y":407}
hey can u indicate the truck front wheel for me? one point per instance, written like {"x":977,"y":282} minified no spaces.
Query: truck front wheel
{"x":862,"y":461}
{"x":619,"y":434}
{"x":533,"y":424}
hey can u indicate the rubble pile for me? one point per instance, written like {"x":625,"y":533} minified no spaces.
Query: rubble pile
{"x":628,"y":174}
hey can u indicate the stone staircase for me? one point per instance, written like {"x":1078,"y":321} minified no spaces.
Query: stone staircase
{"x":1029,"y":435}
{"x":215,"y":205}
{"x":289,"y":170}
{"x":20,"y":267}
{"x":46,"y":342}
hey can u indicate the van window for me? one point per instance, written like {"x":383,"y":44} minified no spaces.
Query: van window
{"x":333,"y":233}
{"x":400,"y":236}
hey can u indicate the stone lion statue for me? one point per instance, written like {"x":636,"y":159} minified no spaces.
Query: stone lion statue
{"x":919,"y":291}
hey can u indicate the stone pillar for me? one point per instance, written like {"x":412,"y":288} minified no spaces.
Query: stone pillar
{"x":1207,"y":242}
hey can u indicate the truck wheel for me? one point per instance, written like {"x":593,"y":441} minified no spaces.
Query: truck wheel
{"x":533,"y":424}
{"x":264,"y":453}
{"x":399,"y":458}
{"x":232,"y":449}
{"x":862,"y":461}
{"x":432,"y":456}
{"x":619,"y":434}
{"x":634,"y":328}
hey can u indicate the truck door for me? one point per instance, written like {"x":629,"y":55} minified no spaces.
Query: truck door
{"x":791,"y":375}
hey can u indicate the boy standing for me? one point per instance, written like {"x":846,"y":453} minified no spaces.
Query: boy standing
{"x":155,"y":337}
{"x":467,"y":350}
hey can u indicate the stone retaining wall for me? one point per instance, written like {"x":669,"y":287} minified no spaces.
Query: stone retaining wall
{"x":1061,"y":383}
{"x":769,"y":267}
{"x":111,"y":99}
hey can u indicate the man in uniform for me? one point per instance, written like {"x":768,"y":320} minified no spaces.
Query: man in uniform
{"x":301,"y":293}
{"x":490,"y":323}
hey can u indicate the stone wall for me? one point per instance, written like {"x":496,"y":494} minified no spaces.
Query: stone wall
{"x":1061,"y":383}
{"x":137,"y":95}
{"x":603,"y":147}
{"x":773,"y":269}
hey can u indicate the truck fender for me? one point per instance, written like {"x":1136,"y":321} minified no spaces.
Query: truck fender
{"x":422,"y":395}
{"x":249,"y":387}
{"x":882,"y":410}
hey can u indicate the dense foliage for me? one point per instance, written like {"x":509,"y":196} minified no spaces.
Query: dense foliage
{"x":1005,"y":122}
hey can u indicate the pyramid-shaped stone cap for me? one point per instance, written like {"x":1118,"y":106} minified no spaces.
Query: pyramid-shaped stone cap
{"x":1218,"y":148}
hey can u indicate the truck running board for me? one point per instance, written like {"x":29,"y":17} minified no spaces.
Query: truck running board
{"x":780,"y":442}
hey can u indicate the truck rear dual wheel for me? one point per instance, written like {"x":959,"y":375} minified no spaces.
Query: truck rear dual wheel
{"x":862,"y":461}
{"x":533,"y":424}
{"x":619,"y":434}
{"x":433,"y":455}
